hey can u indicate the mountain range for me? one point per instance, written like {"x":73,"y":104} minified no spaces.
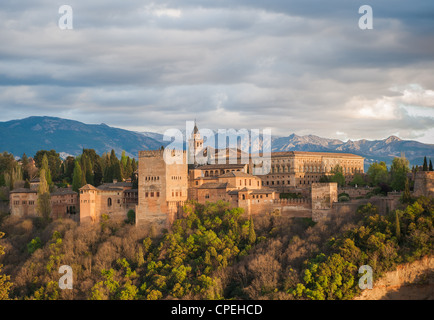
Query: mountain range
{"x":69,"y":137}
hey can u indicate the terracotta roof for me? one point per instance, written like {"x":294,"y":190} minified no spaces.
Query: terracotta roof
{"x":88,"y":187}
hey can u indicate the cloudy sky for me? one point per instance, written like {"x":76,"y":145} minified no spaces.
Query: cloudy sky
{"x":300,"y":66}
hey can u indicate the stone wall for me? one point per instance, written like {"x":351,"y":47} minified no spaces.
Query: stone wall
{"x":424,"y":184}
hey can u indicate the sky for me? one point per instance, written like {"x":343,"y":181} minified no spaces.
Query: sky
{"x":301,"y":66}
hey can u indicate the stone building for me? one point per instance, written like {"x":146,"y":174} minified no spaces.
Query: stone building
{"x":163,"y":186}
{"x":22,"y":202}
{"x":64,"y":204}
{"x":323,"y":196}
{"x":299,"y":170}
{"x":114,"y":199}
{"x":424,"y":184}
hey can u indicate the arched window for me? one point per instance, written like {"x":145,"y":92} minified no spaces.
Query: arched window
{"x":109,"y":202}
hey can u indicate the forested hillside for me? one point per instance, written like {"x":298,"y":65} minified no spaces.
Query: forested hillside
{"x":214,"y":252}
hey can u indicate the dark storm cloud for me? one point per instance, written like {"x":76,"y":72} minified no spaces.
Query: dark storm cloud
{"x":295,"y":66}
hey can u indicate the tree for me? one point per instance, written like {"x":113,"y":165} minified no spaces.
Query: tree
{"x":5,"y":285}
{"x":43,"y":203}
{"x":54,"y":162}
{"x":377,"y":173}
{"x":25,"y":166}
{"x":406,"y":195}
{"x":338,"y":176}
{"x":425,"y":165}
{"x":46,"y":168}
{"x":69,"y":164}
{"x":77,"y":177}
{"x":252,"y":234}
{"x":430,"y":165}
{"x":358,"y":180}
{"x":398,"y":170}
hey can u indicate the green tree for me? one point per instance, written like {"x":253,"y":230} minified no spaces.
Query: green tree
{"x":46,"y":168}
{"x":430,"y":165}
{"x":406,"y":195}
{"x":358,"y":180}
{"x":54,"y":162}
{"x":425,"y":164}
{"x":378,"y":173}
{"x":34,"y":245}
{"x":338,"y":176}
{"x":5,"y":284}
{"x":252,"y":234}
{"x":77,"y":177}
{"x":43,"y":206}
{"x":399,"y":169}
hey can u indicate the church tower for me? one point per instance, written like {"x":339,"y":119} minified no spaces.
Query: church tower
{"x":195,"y":145}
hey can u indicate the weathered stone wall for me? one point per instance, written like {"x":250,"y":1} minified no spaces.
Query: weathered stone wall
{"x":163,"y":186}
{"x":424,"y":184}
{"x":23,"y":204}
{"x":355,"y":192}
{"x":323,"y":196}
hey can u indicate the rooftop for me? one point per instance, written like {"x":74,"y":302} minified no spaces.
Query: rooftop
{"x":216,"y":185}
{"x":63,"y":191}
{"x":221,"y":166}
{"x":236,"y":174}
{"x":23,"y":190}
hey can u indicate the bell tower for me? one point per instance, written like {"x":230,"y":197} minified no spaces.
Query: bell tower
{"x":195,"y":145}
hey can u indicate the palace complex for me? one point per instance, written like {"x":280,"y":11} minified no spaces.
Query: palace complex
{"x":166,"y":181}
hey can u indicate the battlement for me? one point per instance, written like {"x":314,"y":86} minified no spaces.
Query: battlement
{"x":296,"y":201}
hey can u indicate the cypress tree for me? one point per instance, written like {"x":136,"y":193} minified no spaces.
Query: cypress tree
{"x":43,"y":203}
{"x":425,"y":165}
{"x":252,"y":234}
{"x":397,"y":225}
{"x":77,"y":177}
{"x":430,"y":165}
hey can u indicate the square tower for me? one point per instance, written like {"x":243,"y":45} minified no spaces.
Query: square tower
{"x":163,"y":186}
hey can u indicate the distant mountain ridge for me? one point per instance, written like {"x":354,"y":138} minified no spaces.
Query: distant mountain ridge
{"x":69,"y":137}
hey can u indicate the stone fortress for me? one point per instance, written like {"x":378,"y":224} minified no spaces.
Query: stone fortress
{"x":166,"y":182}
{"x":164,"y":187}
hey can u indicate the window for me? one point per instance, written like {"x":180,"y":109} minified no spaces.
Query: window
{"x":152,"y":194}
{"x":158,"y":194}
{"x":109,"y":202}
